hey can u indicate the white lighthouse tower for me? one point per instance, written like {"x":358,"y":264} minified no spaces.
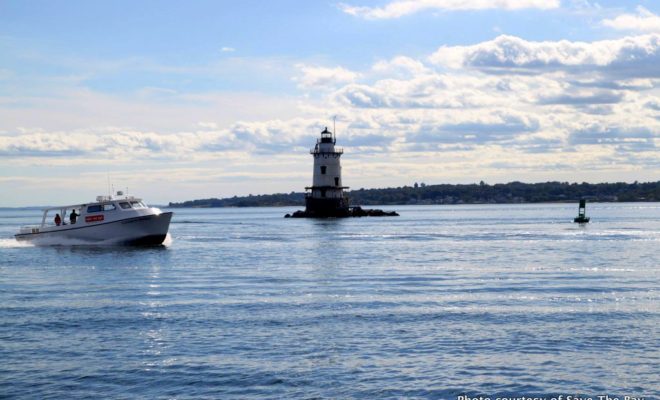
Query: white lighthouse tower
{"x":326,"y":196}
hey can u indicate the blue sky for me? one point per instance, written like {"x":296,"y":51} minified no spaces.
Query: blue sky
{"x":200,"y":99}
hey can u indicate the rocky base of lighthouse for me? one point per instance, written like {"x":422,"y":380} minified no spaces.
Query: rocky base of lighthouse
{"x":343,"y":213}
{"x":325,"y":207}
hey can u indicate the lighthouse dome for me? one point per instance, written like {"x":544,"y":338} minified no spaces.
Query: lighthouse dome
{"x":326,"y":136}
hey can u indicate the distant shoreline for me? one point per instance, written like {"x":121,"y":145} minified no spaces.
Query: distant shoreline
{"x":445,"y":194}
{"x":34,"y":208}
{"x":481,"y":193}
{"x":302,"y":206}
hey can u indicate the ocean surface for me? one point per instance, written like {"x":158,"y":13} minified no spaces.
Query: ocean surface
{"x":441,"y":302}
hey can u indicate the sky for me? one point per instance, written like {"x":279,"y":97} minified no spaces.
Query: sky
{"x":174,"y":101}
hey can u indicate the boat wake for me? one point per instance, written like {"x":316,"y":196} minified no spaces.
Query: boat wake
{"x":12,"y":243}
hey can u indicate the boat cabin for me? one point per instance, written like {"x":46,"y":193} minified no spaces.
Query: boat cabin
{"x":105,"y":208}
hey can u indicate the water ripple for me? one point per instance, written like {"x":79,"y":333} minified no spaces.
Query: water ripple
{"x":440,"y":302}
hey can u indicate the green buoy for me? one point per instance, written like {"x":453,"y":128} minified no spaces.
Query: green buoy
{"x":582,"y":218}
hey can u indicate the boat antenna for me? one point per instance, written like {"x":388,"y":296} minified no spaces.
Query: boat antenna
{"x":108,"y":175}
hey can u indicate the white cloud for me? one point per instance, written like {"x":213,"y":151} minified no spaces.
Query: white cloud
{"x":127,"y":144}
{"x":553,"y":111}
{"x":400,"y":107}
{"x":635,"y":56}
{"x":643,"y":21}
{"x":547,"y":99}
{"x":400,"y":8}
{"x":323,"y":77}
{"x":400,"y":66}
{"x":227,"y":49}
{"x":107,"y":143}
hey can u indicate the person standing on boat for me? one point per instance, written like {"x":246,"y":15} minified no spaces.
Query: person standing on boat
{"x":73,"y":217}
{"x":58,"y":219}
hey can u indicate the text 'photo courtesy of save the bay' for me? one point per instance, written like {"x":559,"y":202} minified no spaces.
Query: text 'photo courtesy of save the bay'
{"x":370,"y":199}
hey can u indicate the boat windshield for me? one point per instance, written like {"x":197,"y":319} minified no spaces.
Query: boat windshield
{"x":137,"y":204}
{"x":101,"y":207}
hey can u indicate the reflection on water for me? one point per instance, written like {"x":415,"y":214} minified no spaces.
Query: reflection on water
{"x":442,"y":301}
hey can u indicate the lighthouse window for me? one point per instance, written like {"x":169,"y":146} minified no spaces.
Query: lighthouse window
{"x":336,"y":181}
{"x":323,"y":168}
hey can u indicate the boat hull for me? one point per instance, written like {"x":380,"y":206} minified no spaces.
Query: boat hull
{"x":146,"y":230}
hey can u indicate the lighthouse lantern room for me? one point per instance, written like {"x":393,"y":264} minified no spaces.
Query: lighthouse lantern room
{"x":326,"y":197}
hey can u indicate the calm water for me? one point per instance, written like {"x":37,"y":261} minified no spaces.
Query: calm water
{"x":442,"y":301}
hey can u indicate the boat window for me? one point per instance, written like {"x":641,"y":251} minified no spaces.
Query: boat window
{"x":109,"y":207}
{"x":94,"y":208}
{"x":124,"y":205}
{"x":137,"y":204}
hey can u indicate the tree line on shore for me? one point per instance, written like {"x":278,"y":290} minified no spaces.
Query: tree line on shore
{"x":480,"y":193}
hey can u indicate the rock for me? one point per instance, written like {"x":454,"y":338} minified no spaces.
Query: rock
{"x":299,"y":214}
{"x":356,"y":211}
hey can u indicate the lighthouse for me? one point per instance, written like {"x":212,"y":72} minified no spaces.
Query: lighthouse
{"x":326,"y":197}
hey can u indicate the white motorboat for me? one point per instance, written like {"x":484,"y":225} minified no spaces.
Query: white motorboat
{"x":116,"y":220}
